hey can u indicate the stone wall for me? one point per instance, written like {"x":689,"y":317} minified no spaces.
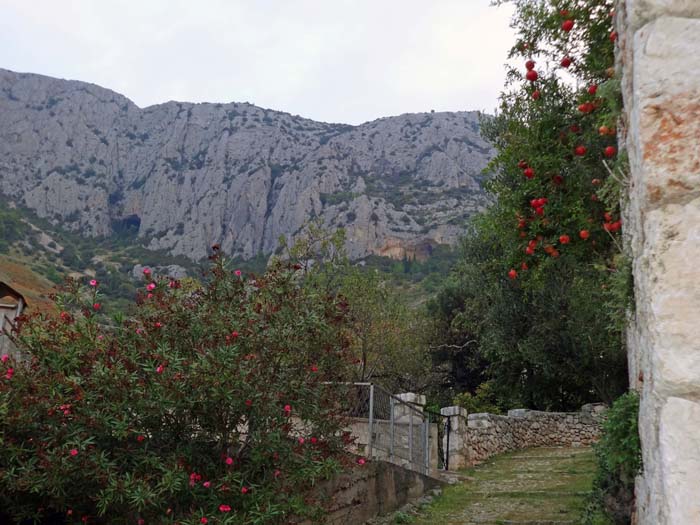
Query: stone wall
{"x":375,"y":489}
{"x":659,"y":58}
{"x":474,"y":438}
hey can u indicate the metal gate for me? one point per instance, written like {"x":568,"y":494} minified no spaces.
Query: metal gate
{"x":386,"y":427}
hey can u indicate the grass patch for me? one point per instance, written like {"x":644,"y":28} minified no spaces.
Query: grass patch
{"x":539,"y":484}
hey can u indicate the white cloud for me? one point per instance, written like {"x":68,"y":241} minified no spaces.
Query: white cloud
{"x":333,"y":60}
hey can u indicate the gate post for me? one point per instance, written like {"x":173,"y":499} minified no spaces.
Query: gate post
{"x":370,"y":424}
{"x":456,"y":439}
{"x":391,"y":428}
{"x":426,"y":444}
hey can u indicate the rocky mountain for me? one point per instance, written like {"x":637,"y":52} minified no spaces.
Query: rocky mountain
{"x":186,"y":176}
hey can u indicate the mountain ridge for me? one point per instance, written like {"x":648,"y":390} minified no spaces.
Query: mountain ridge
{"x":186,"y":175}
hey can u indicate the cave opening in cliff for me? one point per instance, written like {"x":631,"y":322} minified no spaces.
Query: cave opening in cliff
{"x":127,"y":226}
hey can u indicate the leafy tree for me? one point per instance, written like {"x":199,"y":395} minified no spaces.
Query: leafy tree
{"x":458,"y":313}
{"x":548,"y":254}
{"x":388,"y":338}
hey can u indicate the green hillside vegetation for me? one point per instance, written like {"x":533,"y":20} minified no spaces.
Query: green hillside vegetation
{"x":55,"y":253}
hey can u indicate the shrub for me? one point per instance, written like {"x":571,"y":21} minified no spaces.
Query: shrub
{"x":483,"y":400}
{"x":619,"y":462}
{"x":193,"y":408}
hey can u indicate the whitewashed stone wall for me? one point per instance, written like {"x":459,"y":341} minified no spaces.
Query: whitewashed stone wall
{"x":659,"y":58}
{"x":476,"y":437}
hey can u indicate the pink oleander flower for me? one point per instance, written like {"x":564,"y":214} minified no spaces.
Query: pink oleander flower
{"x":194,"y":478}
{"x":203,"y":520}
{"x":151,"y":286}
{"x":140,"y":438}
{"x":4,"y":358}
{"x":10,"y":372}
{"x":96,"y":307}
{"x":314,"y":440}
{"x":139,"y":331}
{"x":314,"y":368}
{"x":288,"y":409}
{"x":160,"y":369}
{"x":277,"y":473}
{"x":224,"y":508}
{"x":237,"y":273}
{"x":229,"y":461}
{"x":149,"y":296}
{"x":301,"y":441}
{"x":74,"y":452}
{"x":361,"y":461}
{"x":93,"y":283}
{"x":147,"y":271}
{"x":206,"y":484}
{"x":244,"y":490}
{"x":100,"y":337}
{"x":158,"y":324}
{"x":173,"y":284}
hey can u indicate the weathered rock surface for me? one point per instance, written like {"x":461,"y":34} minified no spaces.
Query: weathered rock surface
{"x":659,"y":44}
{"x":190,"y":175}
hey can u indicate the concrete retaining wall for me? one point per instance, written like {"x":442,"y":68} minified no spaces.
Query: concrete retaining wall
{"x":374,"y":489}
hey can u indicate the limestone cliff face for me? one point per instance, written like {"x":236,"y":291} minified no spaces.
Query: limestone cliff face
{"x":190,"y":175}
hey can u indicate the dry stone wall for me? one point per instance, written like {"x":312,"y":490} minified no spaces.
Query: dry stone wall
{"x":474,"y":438}
{"x":659,"y":58}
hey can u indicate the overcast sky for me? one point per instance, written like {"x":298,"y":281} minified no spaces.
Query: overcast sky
{"x":333,"y":60}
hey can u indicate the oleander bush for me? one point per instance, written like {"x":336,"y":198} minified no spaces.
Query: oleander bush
{"x":210,"y":404}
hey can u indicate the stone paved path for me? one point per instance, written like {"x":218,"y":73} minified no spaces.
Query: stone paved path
{"x":543,"y":486}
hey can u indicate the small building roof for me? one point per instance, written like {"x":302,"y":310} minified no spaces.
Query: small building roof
{"x":9,"y":296}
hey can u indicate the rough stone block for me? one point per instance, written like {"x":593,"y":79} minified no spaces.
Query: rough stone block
{"x":680,"y":456}
{"x":415,"y":399}
{"x":454,"y":411}
{"x":666,"y":112}
{"x":640,"y":12}
{"x":671,"y":253}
